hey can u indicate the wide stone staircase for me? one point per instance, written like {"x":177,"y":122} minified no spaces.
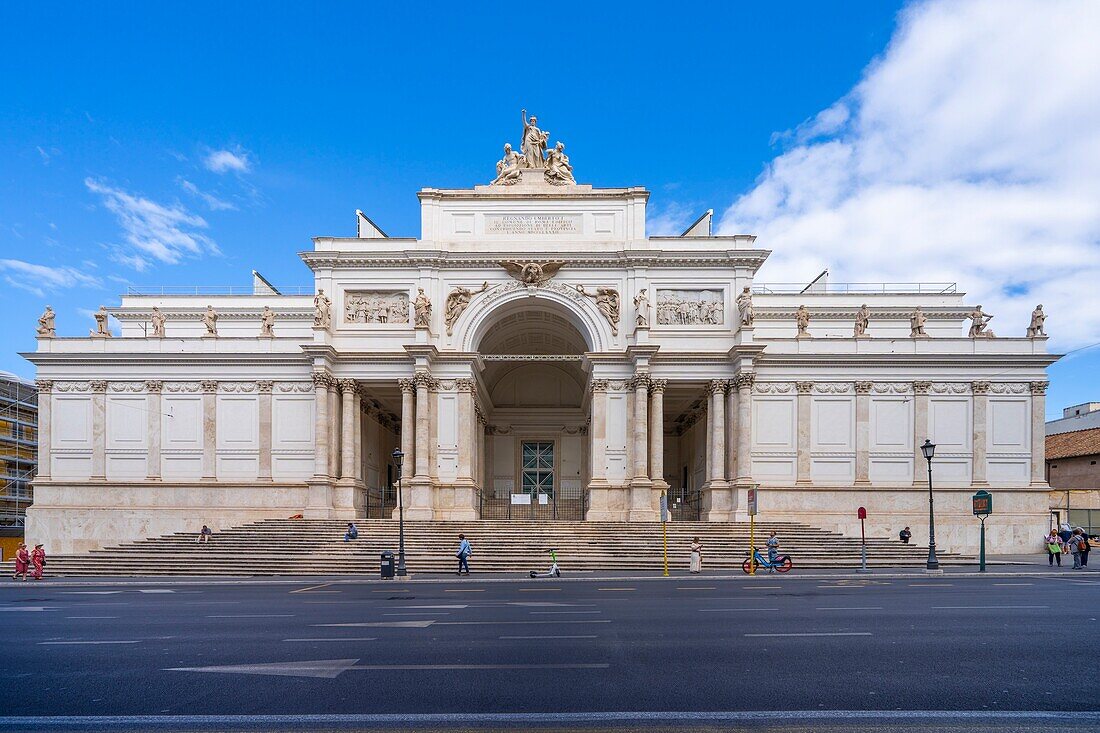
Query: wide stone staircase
{"x":316,"y":547}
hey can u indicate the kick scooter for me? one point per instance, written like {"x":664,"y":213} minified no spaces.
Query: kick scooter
{"x":553,"y":572}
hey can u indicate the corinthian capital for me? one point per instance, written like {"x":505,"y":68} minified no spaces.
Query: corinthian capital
{"x":44,"y":386}
{"x":804,"y":387}
{"x":979,"y":387}
{"x":657,"y":385}
{"x":322,"y":380}
{"x":347,"y":386}
{"x":406,"y":385}
{"x":744,"y":380}
{"x":1038,"y":388}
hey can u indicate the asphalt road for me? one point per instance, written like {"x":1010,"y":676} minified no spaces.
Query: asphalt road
{"x":788,"y":653}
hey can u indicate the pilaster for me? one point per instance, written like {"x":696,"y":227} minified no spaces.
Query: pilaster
{"x":863,"y":432}
{"x":717,"y":499}
{"x":263,"y":387}
{"x":1038,"y":433}
{"x":209,"y":430}
{"x":804,"y":406}
{"x":45,"y":426}
{"x":981,"y":429}
{"x":153,"y":423}
{"x":920,"y":431}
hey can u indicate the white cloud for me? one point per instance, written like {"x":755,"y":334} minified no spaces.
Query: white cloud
{"x":225,"y":161}
{"x":152,"y":231}
{"x":40,"y":279}
{"x":213,"y":202}
{"x":969,"y":152}
{"x":671,"y":220}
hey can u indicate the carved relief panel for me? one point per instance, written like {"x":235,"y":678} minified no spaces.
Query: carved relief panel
{"x":376,"y":306}
{"x":690,"y":308}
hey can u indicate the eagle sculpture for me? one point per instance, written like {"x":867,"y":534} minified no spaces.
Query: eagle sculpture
{"x":532,"y":273}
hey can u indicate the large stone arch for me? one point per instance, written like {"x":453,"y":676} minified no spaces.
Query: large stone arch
{"x":580,"y":311}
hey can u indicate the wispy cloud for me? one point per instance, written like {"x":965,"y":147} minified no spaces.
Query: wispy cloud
{"x":46,"y":155}
{"x":152,"y":232}
{"x":671,"y":220}
{"x":956,"y":158}
{"x":41,"y":279}
{"x":212,"y":202}
{"x":228,"y":161}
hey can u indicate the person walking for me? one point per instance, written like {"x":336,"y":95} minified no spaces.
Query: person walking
{"x":463,"y":554}
{"x":1054,"y":547}
{"x":38,"y":559}
{"x":352,"y":533}
{"x":204,"y":534}
{"x":905,"y":535}
{"x":1075,"y":541}
{"x":696,"y":557}
{"x":773,"y":551}
{"x":22,"y":560}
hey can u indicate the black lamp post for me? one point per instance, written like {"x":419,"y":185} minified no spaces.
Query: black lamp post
{"x":398,"y":456}
{"x":929,"y":450}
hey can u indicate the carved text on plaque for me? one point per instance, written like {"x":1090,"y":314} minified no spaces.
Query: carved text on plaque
{"x":532,"y":224}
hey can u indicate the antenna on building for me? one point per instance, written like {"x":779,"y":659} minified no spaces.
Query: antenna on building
{"x":367,"y":229}
{"x":260,"y":285}
{"x":702,"y":226}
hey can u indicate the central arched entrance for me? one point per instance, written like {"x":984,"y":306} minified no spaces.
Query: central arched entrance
{"x":536,"y":441}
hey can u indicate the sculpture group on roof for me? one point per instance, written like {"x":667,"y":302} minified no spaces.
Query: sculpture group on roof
{"x":533,"y":154}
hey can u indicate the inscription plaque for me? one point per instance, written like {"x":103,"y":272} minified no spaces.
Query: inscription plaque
{"x":546,"y":224}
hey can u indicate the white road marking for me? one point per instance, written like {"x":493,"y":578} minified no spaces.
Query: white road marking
{"x":388,"y":624}
{"x":930,"y":585}
{"x":331,"y":668}
{"x":252,"y":615}
{"x":462,"y":605}
{"x":558,"y":636}
{"x":343,"y":638}
{"x":155,"y":590}
{"x":616,"y":589}
{"x":528,"y":622}
{"x":91,"y":617}
{"x":849,"y":608}
{"x":536,"y":590}
{"x":28,"y":608}
{"x":135,"y":641}
{"x":419,"y":613}
{"x":463,"y":590}
{"x":553,"y":613}
{"x":312,"y":587}
{"x":764,"y":587}
{"x":1013,"y":584}
{"x":968,"y":608}
{"x":90,"y":592}
{"x":695,"y":587}
{"x":546,"y":604}
{"x":818,"y":633}
{"x":725,"y":610}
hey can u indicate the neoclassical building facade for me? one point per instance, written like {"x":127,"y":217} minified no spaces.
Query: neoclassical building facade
{"x":536,"y":355}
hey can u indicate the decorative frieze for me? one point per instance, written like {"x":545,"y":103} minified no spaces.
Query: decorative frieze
{"x":376,"y":306}
{"x":154,"y":386}
{"x":690,"y":308}
{"x":950,"y":388}
{"x":892,"y":388}
{"x":773,"y":388}
{"x":1008,"y":388}
{"x":833,"y":387}
{"x":294,"y":387}
{"x":234,"y":387}
{"x":181,"y":387}
{"x":122,"y":387}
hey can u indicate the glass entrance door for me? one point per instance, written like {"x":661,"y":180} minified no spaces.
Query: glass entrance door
{"x":537,"y":476}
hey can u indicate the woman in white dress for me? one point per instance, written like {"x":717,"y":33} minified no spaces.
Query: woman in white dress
{"x":696,"y":556}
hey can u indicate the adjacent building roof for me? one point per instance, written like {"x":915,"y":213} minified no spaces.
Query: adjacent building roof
{"x":1077,"y":443}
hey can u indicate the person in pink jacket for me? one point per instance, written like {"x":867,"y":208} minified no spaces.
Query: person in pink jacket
{"x":22,"y":560}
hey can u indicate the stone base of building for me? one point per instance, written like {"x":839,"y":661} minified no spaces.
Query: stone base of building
{"x":79,"y":517}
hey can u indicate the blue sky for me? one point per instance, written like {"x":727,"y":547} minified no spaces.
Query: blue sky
{"x":164,"y":143}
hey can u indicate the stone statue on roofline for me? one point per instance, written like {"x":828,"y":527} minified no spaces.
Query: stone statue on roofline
{"x":534,"y":142}
{"x":267,"y":323}
{"x":422,"y":310}
{"x":210,"y":321}
{"x":802,"y":321}
{"x":1038,"y":318}
{"x":863,"y":321}
{"x":508,"y":167}
{"x":46,"y":328}
{"x":979,"y":324}
{"x":558,"y":170}
{"x":322,"y":310}
{"x":641,"y":309}
{"x":534,"y":155}
{"x":916,"y":324}
{"x":157,"y":320}
{"x":744,"y":307}
{"x":101,"y":330}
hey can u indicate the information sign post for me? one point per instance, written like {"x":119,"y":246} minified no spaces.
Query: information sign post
{"x":983,"y":507}
{"x":664,"y":526}
{"x":862,"y":514}
{"x":751,"y":502}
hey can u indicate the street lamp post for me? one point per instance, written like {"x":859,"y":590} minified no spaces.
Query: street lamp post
{"x":929,"y":450}
{"x":398,"y":456}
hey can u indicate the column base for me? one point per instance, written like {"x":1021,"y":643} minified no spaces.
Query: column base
{"x":717,"y":501}
{"x":421,"y":495}
{"x":607,"y":503}
{"x":641,"y":501}
{"x":344,"y":493}
{"x":320,"y":498}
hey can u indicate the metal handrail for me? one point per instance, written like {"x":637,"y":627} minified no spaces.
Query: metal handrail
{"x":153,"y":290}
{"x":856,"y":288}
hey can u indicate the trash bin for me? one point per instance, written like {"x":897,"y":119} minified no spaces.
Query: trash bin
{"x":387,"y":565}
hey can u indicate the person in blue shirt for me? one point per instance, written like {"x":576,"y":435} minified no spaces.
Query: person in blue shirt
{"x":352,"y":533}
{"x":463,"y":554}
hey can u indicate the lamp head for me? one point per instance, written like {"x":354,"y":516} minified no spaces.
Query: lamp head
{"x":928,"y":449}
{"x":398,"y":456}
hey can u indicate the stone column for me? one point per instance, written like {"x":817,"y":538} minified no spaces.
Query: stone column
{"x":153,"y":429}
{"x":599,"y":494}
{"x":423,"y":383}
{"x":466,"y":425}
{"x":99,"y":430}
{"x":264,"y":387}
{"x":863,"y":432}
{"x":408,"y":435}
{"x":349,"y":413}
{"x":209,"y":429}
{"x":731,"y":431}
{"x":717,"y":423}
{"x":920,"y":431}
{"x":802,"y":443}
{"x":657,"y":433}
{"x":334,"y":425}
{"x":1038,"y":433}
{"x":641,"y":426}
{"x":363,"y":412}
{"x":321,"y":382}
{"x":981,"y":413}
{"x":45,"y":428}
{"x":744,"y":382}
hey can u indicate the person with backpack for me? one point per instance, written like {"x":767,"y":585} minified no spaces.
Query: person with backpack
{"x":1086,"y":548}
{"x":1054,"y":547}
{"x":1076,"y":540}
